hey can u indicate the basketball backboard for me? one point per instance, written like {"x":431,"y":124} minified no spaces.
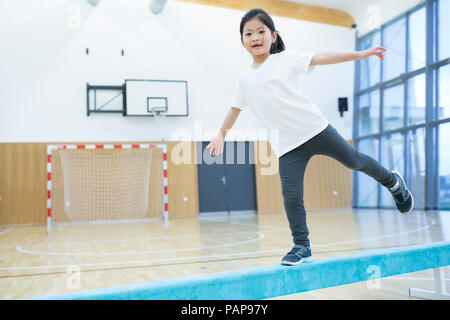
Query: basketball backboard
{"x":168,"y":96}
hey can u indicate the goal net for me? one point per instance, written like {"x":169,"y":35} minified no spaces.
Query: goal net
{"x":106,"y":185}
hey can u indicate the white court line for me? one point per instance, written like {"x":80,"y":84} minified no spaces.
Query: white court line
{"x":260,"y":236}
{"x":142,"y":261}
{"x":5,"y":231}
{"x":432,"y":223}
{"x":158,"y":260}
{"x":212,"y":256}
{"x":162,"y":237}
{"x":410,"y":278}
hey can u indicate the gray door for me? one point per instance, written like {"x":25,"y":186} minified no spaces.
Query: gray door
{"x":227,"y":182}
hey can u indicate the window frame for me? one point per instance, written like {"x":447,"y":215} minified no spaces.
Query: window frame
{"x":431,"y":123}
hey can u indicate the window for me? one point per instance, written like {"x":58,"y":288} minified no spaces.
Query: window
{"x":370,"y":68}
{"x":392,"y":159}
{"x":417,"y":40}
{"x":416,"y":165}
{"x":393,"y":100}
{"x":444,"y":166}
{"x":368,"y":187}
{"x":416,"y":100}
{"x":443,"y":29}
{"x":369,"y":113}
{"x":402,"y":118}
{"x":394,"y":40}
{"x":444,"y":92}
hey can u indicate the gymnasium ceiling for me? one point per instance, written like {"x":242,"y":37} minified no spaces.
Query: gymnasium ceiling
{"x":358,"y":9}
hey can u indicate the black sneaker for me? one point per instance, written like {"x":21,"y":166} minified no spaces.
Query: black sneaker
{"x":297,"y":255}
{"x":403,"y":198}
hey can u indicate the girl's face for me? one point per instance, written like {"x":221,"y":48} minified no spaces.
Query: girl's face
{"x":257,"y":38}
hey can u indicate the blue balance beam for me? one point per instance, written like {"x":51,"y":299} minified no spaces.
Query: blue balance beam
{"x":272,"y":281}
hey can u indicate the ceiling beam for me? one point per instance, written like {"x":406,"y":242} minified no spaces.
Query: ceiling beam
{"x":286,"y":9}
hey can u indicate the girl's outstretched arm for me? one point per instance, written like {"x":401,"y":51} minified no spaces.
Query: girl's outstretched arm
{"x":323,"y":58}
{"x":216,"y":145}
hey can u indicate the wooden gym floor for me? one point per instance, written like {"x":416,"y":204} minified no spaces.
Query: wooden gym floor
{"x":34,"y":264}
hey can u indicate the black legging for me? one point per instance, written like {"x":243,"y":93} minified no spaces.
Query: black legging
{"x":292,"y":166}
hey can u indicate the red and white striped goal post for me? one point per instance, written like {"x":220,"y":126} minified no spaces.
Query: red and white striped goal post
{"x":50,"y":148}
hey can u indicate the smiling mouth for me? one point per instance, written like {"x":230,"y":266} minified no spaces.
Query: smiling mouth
{"x":257,"y":46}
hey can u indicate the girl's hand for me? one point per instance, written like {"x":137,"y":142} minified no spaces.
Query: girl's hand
{"x":216,"y":145}
{"x":377,"y":51}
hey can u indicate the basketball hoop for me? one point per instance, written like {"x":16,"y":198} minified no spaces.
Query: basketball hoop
{"x":159,"y":114}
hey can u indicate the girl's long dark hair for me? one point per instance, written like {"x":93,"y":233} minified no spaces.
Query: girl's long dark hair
{"x":278,"y":45}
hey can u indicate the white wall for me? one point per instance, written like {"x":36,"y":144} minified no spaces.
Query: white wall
{"x":45,"y":69}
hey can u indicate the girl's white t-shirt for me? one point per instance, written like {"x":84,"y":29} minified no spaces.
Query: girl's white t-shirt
{"x":272,"y":94}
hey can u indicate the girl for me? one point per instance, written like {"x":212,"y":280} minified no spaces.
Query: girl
{"x":268,"y":87}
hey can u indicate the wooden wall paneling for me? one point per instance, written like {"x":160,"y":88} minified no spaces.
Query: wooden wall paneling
{"x":327,"y":184}
{"x":268,"y":184}
{"x":23,"y":183}
{"x":23,"y":187}
{"x":183,"y":179}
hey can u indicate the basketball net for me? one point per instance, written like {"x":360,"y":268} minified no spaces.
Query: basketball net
{"x":160,"y":117}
